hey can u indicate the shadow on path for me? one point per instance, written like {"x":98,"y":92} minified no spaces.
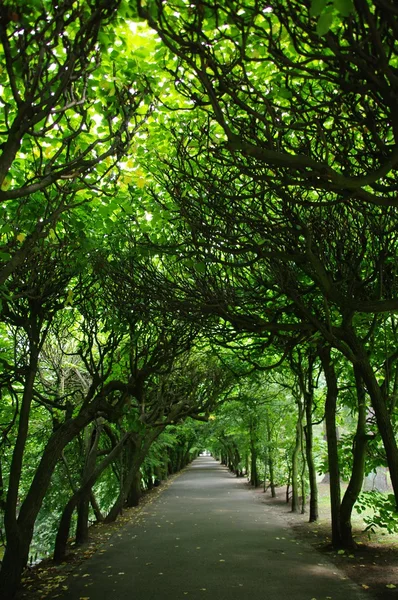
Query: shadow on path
{"x":208,"y":536}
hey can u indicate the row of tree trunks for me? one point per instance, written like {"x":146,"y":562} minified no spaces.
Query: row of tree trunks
{"x":20,"y":530}
{"x":137,"y":449}
{"x":82,"y":492}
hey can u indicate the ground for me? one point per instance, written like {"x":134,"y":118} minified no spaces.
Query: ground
{"x":44,"y":579}
{"x":374,"y":566}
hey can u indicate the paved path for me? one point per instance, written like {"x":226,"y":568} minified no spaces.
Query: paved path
{"x":207,"y":537}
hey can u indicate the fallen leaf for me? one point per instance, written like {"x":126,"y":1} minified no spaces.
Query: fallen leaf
{"x":365,"y":587}
{"x":390,"y":586}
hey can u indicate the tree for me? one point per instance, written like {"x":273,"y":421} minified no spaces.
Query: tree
{"x":68,"y":117}
{"x":299,"y":93}
{"x":270,"y":107}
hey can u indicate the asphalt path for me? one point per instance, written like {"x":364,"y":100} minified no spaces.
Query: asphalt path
{"x":208,"y":537}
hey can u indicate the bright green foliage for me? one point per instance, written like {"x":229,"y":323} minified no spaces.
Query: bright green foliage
{"x":384,"y":511}
{"x":184,"y":202}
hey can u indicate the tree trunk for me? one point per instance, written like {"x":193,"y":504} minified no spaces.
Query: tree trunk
{"x":331,"y":433}
{"x":254,"y":479}
{"x":379,"y":403}
{"x":19,"y":534}
{"x":235,"y":460}
{"x":270,"y":456}
{"x":96,"y":508}
{"x":358,"y":468}
{"x":138,"y":450}
{"x":265,"y":469}
{"x":294,"y":482}
{"x":303,"y":482}
{"x":17,"y":550}
{"x":135,"y":493}
{"x":271,"y":476}
{"x":148,"y":478}
{"x":295,"y":456}
{"x":83,"y":507}
{"x":64,"y":526}
{"x":289,"y":479}
{"x":309,"y":443}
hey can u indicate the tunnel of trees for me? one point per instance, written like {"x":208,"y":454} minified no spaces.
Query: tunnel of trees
{"x":198,"y":213}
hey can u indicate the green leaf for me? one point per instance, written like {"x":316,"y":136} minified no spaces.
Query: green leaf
{"x":200,"y":267}
{"x":345,"y":7}
{"x":284,"y":93}
{"x":324,"y":23}
{"x":317,"y":7}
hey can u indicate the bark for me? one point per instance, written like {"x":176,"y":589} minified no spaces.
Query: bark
{"x":18,"y":533}
{"x":96,"y":508}
{"x":295,"y":457}
{"x":64,"y":526}
{"x":358,"y":468}
{"x":289,"y":479}
{"x":265,"y":469}
{"x":271,"y":475}
{"x":254,"y":479}
{"x":236,"y":461}
{"x":83,"y":509}
{"x":148,"y":477}
{"x":308,"y":392}
{"x":331,"y":433}
{"x":138,"y":450}
{"x":135,"y":492}
{"x":379,"y":403}
{"x":17,"y":550}
{"x":303,"y":467}
{"x":270,"y":457}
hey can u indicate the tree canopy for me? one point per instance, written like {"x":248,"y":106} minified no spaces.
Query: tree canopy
{"x":198,"y":251}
